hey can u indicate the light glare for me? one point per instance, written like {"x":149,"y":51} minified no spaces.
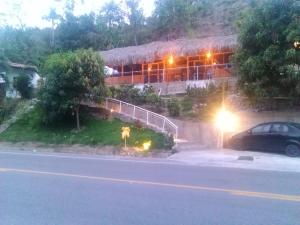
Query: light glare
{"x":146,"y":145}
{"x":226,"y":121}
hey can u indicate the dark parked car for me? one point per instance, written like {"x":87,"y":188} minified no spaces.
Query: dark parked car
{"x":281,"y":137}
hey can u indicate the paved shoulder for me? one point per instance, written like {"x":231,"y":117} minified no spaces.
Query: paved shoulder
{"x":238,"y":159}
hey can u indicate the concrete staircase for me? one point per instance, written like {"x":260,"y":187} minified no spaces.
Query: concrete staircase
{"x":195,"y":135}
{"x":190,"y":146}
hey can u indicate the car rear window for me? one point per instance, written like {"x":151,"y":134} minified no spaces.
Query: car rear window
{"x":294,"y":129}
{"x":296,"y":125}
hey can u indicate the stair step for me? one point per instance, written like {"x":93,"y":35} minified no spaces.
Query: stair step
{"x":189,"y":146}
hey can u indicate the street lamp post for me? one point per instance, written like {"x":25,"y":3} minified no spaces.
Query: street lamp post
{"x":226,"y":122}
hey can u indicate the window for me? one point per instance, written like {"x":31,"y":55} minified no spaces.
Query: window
{"x":280,"y":128}
{"x":294,"y":130}
{"x":261,"y":129}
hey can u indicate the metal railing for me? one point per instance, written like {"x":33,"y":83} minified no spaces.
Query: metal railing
{"x":150,"y":118}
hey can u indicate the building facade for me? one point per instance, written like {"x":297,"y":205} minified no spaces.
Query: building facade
{"x":179,"y":63}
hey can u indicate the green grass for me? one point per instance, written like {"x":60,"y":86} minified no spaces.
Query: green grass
{"x":94,"y":132}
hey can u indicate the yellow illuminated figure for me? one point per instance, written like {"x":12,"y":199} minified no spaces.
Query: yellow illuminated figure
{"x":125,"y":134}
{"x":146,"y":145}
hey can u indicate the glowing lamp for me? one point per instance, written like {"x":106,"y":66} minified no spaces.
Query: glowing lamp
{"x":146,"y":145}
{"x":208,"y":55}
{"x":226,"y":121}
{"x":171,"y":60}
{"x":297,"y":44}
{"x":149,"y":68}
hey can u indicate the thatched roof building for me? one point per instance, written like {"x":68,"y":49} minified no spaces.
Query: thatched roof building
{"x":158,"y":50}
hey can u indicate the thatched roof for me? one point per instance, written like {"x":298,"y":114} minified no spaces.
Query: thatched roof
{"x":22,"y":66}
{"x":159,"y":49}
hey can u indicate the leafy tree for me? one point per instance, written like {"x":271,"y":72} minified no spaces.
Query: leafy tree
{"x":81,"y":32}
{"x":111,"y":22}
{"x":136,"y":19}
{"x":53,"y":17}
{"x":68,"y":33}
{"x":266,"y":59}
{"x":23,"y":86}
{"x":177,"y":16}
{"x":28,"y":46}
{"x":72,"y":77}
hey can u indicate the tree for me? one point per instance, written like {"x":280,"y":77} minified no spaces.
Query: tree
{"x":136,"y":18}
{"x":111,"y":22}
{"x":177,"y":16}
{"x":23,"y":86}
{"x":27,"y":46}
{"x":266,"y":59}
{"x":53,"y":17}
{"x":72,"y":77}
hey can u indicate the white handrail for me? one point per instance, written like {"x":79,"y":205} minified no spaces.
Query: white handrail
{"x":148,"y":112}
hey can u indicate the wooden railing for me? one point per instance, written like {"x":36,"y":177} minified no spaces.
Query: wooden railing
{"x":170,"y":75}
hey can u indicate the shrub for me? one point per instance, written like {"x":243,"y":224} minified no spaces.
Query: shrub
{"x":131,"y":94}
{"x":7,"y":108}
{"x":173,"y":107}
{"x":128,"y":93}
{"x":2,"y":92}
{"x":169,"y":141}
{"x":187,"y":104}
{"x":23,"y":86}
{"x":148,"y":90}
{"x":154,"y":101}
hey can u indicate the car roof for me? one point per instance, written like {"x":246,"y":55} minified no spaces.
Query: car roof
{"x":280,"y":122}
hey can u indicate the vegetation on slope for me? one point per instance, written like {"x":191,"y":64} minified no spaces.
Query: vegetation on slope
{"x":95,"y":131}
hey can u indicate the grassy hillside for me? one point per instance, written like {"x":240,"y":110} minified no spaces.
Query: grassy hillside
{"x":95,"y":132}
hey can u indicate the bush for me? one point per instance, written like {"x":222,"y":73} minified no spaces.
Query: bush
{"x":148,"y":90}
{"x":23,"y":86}
{"x":128,"y":93}
{"x":7,"y":108}
{"x":208,"y":98}
{"x":2,"y":92}
{"x":169,"y":141}
{"x":173,"y":107}
{"x":187,"y":104}
{"x":154,"y":101}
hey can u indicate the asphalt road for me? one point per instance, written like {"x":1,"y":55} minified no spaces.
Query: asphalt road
{"x":61,"y":189}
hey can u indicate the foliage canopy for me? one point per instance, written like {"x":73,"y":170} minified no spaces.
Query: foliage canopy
{"x":23,"y":86}
{"x":72,"y":77}
{"x":267,"y":62}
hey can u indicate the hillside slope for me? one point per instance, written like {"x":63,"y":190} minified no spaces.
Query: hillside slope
{"x":219,"y":19}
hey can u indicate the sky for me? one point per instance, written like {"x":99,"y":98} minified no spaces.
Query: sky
{"x":31,"y":12}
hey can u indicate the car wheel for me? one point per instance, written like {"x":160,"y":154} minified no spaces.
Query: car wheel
{"x":292,"y":150}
